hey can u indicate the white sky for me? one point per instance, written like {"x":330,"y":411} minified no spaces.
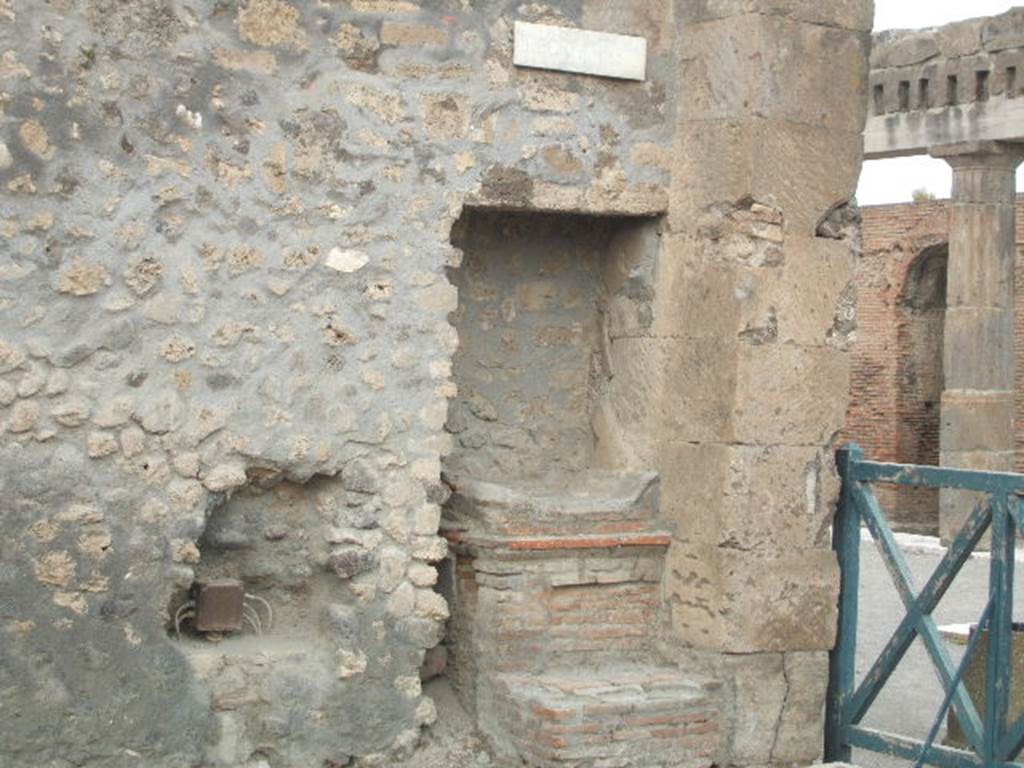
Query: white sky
{"x":894,"y":181}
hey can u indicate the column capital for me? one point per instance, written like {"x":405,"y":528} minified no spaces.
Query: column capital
{"x":997,"y":155}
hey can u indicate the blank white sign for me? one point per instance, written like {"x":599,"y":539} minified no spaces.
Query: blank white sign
{"x":578,"y":50}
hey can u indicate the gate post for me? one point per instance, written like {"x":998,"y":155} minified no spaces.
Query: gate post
{"x":1000,"y":637}
{"x":846,"y":543}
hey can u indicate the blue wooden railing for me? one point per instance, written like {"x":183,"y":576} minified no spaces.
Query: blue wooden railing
{"x":995,"y":738}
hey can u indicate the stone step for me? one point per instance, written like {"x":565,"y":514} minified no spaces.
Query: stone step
{"x":592,"y":502}
{"x":621,"y":717}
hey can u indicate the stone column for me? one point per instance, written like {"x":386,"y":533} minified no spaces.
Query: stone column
{"x":978,"y":362}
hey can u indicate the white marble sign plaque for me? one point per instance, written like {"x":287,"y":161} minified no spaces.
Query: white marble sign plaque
{"x":578,"y":50}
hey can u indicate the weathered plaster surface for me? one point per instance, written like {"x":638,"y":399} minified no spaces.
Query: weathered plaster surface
{"x":223,"y":313}
{"x":226,"y":346}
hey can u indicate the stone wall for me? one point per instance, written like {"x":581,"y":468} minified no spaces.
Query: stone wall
{"x":226,"y":349}
{"x":893,"y":414}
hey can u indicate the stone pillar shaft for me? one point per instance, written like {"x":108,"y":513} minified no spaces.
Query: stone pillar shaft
{"x":978,"y":361}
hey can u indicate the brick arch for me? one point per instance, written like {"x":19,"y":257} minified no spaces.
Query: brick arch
{"x":920,"y":314}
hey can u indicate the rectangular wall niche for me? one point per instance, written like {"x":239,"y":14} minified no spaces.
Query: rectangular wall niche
{"x":538,"y":296}
{"x":554,"y":528}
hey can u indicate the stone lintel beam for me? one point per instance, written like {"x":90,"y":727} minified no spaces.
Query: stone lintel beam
{"x":904,"y":134}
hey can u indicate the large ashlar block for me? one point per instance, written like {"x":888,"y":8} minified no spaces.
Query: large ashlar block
{"x":790,"y":395}
{"x":741,"y":602}
{"x":759,"y":686}
{"x":978,"y":349}
{"x":784,"y":603}
{"x":696,"y":293}
{"x":768,"y":500}
{"x":693,"y":586}
{"x":796,"y":302}
{"x":772,"y":161}
{"x":982,"y":249}
{"x":700,"y":381}
{"x":789,"y":168}
{"x":776,"y":499}
{"x":807,"y":79}
{"x":704,"y":289}
{"x":778,"y":701}
{"x":731,"y":143}
{"x":799,"y":739}
{"x":847,"y":14}
{"x":693,"y":476}
{"x":976,"y":420}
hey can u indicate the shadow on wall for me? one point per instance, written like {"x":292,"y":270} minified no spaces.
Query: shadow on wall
{"x":543,"y":298}
{"x":922,"y":308}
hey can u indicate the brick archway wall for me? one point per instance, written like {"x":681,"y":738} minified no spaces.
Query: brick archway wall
{"x":920,"y":314}
{"x":887,"y":416}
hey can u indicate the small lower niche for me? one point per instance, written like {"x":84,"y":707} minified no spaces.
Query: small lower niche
{"x":256,"y":544}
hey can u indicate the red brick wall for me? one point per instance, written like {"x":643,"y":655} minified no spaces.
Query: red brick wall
{"x":892,"y":383}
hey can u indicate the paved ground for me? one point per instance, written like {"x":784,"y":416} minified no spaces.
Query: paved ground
{"x":911,"y":699}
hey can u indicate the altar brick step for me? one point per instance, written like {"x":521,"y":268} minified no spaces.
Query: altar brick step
{"x":626,"y":716}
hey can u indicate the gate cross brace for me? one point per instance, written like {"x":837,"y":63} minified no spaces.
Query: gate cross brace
{"x":918,"y":621}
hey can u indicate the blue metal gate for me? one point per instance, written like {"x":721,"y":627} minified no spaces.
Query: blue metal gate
{"x":994,"y":739}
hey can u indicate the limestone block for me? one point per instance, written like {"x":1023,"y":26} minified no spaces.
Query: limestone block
{"x":731,"y":143}
{"x":775,"y":500}
{"x":800,"y":733}
{"x":701,"y":381}
{"x":759,"y":688}
{"x":753,"y":499}
{"x":787,"y":168}
{"x":788,"y":395}
{"x":846,"y":14}
{"x":808,"y":78}
{"x":784,"y":603}
{"x":798,"y":302}
{"x":692,"y":478}
{"x":767,"y":160}
{"x":695,"y":294}
{"x":693,"y":585}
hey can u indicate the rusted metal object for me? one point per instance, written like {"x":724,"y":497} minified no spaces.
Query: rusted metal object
{"x":220,"y":605}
